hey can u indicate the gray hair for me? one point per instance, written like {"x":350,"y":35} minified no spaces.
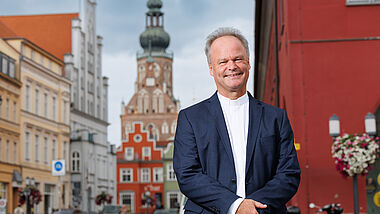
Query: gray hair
{"x":224,"y":31}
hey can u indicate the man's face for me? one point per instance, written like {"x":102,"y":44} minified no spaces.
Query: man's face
{"x":229,"y":66}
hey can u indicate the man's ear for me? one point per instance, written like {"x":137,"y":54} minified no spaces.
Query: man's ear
{"x":211,"y":69}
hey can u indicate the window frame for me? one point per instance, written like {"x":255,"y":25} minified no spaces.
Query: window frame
{"x":158,"y":175}
{"x":132,"y":198}
{"x":362,"y":2}
{"x":146,"y":151}
{"x":126,"y":172}
{"x":129,"y":156}
{"x":147,"y":174}
{"x":169,"y":172}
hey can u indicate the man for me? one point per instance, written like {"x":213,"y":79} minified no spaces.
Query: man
{"x":233,"y":153}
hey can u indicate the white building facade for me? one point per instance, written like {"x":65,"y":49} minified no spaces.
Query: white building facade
{"x":93,"y":159}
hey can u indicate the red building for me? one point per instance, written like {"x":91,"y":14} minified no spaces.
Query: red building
{"x":316,"y":59}
{"x":139,"y":172}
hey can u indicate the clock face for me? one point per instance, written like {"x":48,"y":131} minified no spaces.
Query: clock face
{"x":141,"y":68}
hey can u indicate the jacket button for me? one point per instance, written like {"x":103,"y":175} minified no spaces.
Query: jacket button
{"x":233,"y":181}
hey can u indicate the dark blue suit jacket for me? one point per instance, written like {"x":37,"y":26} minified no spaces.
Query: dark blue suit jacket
{"x":204,"y":164}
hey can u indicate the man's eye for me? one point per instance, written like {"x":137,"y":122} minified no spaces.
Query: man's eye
{"x":222,"y":62}
{"x":238,"y":59}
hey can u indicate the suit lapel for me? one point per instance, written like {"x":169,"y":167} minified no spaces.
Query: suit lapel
{"x":255,"y":111}
{"x":217,"y":113}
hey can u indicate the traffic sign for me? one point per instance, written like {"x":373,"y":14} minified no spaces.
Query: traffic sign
{"x":58,"y":167}
{"x":3,"y":206}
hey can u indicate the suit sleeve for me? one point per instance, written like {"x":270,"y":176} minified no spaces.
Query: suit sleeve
{"x":284,"y":184}
{"x":193,"y":182}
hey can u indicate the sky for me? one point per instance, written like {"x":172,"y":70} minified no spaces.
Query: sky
{"x":120,"y":23}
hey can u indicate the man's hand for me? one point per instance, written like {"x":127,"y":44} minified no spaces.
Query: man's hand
{"x":249,"y":206}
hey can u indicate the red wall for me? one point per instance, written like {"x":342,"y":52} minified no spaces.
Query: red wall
{"x":320,"y":78}
{"x":137,"y":186}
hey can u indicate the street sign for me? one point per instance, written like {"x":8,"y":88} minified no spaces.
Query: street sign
{"x":3,"y":206}
{"x":58,"y":167}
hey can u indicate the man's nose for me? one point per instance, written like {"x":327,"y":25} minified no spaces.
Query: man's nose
{"x":231,"y":65}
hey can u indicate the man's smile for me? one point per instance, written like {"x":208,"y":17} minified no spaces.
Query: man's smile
{"x":233,"y":74}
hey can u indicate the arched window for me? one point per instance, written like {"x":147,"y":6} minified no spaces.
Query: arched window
{"x":164,"y":128}
{"x":146,"y":103}
{"x":154,"y":104}
{"x":173,"y":127}
{"x":139,"y":103}
{"x":161,"y":103}
{"x":75,"y":162}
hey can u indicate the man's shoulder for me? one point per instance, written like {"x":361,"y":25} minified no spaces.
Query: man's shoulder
{"x":268,"y":109}
{"x":198,"y":107}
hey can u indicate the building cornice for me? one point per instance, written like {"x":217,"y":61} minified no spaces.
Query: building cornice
{"x":88,"y":116}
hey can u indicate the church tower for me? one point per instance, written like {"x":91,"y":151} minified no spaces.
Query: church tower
{"x":153,"y":102}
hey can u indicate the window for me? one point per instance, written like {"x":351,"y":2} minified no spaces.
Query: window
{"x":126,"y":175}
{"x":145,"y":175}
{"x":27,"y":98}
{"x":170,"y":175}
{"x":54,"y":108}
{"x":32,"y":55}
{"x":361,"y":2}
{"x":12,"y":69}
{"x":128,"y":199}
{"x":64,"y":150}
{"x":45,"y":150}
{"x":75,"y":162}
{"x":128,"y":153}
{"x":45,"y":104}
{"x":158,"y":175}
{"x":37,"y":101}
{"x":15,"y":112}
{"x":7,"y":109}
{"x":27,"y":146}
{"x":37,"y":149}
{"x":65,"y":111}
{"x":173,"y":127}
{"x":173,"y":200}
{"x":14,"y":152}
{"x":146,"y":153}
{"x":54,"y":150}
{"x":4,"y":65}
{"x":7,"y":152}
{"x":165,"y":128}
{"x":161,"y":103}
{"x":146,"y":103}
{"x":3,"y":190}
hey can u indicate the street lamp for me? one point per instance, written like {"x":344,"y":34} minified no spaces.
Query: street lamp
{"x":148,"y":200}
{"x":334,"y":126}
{"x":370,"y":129}
{"x":370,"y":124}
{"x":29,"y":183}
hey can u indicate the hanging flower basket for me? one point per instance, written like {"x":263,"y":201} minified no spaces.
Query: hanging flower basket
{"x":34,"y":196}
{"x":103,"y":198}
{"x":355,"y":154}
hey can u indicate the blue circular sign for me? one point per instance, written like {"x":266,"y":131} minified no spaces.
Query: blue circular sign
{"x":58,"y":166}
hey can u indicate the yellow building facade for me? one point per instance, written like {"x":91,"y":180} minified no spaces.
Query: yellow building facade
{"x":10,"y":90}
{"x":44,"y":123}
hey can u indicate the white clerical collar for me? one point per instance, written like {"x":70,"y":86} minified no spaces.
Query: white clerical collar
{"x":239,"y":101}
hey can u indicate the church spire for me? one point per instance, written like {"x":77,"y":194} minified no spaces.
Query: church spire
{"x":154,"y":37}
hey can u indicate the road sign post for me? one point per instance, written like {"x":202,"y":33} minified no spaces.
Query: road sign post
{"x":58,"y":169}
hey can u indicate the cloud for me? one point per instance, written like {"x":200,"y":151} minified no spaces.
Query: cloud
{"x":121,"y":22}
{"x":120,"y":67}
